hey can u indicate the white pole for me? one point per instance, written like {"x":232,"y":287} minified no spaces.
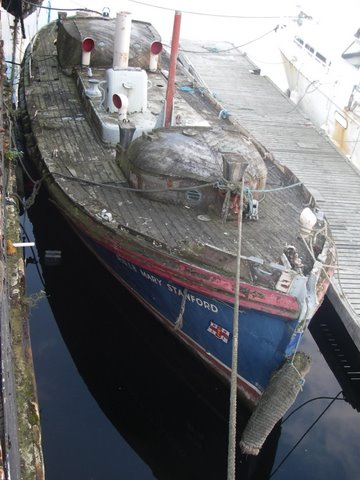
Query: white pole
{"x":23,"y":244}
{"x":122,"y":40}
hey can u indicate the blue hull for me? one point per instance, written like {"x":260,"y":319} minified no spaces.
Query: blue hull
{"x":206,"y":323}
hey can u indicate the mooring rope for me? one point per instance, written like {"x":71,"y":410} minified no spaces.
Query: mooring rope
{"x":180,"y":318}
{"x":129,"y":189}
{"x":35,"y":257}
{"x":300,"y":332}
{"x":226,"y":205}
{"x":234,"y":360}
{"x":277,"y":189}
{"x":221,"y":184}
{"x":31,"y":199}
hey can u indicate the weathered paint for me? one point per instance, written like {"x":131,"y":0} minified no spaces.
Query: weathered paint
{"x":206,"y":282}
{"x":249,"y":392}
{"x":258,"y":354}
{"x":166,"y":267}
{"x":338,"y":136}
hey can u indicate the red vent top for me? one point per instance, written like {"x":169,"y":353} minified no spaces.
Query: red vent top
{"x":88,"y":44}
{"x":117,"y":101}
{"x":156,"y":48}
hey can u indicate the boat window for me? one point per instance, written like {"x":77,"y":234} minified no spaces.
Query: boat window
{"x":309,"y":48}
{"x":352,"y":54}
{"x":354,"y":100}
{"x":299,"y":41}
{"x":320,"y":58}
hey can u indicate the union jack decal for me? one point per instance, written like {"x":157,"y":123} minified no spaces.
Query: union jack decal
{"x":220,"y":332}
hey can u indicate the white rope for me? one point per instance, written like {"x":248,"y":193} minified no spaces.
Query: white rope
{"x":300,"y":332}
{"x":235,"y":343}
{"x":180,"y":318}
{"x":301,"y":378}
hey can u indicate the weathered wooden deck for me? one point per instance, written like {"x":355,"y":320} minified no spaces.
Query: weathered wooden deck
{"x":58,"y":121}
{"x":274,"y":120}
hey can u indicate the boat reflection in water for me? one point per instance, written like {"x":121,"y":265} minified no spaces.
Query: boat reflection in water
{"x":170,"y":408}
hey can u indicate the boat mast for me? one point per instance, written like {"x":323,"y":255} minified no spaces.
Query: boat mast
{"x":170,"y":92}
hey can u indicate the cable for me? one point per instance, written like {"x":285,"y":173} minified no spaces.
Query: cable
{"x":13,"y":63}
{"x":217,"y":15}
{"x":304,"y":435}
{"x":36,"y":263}
{"x":25,"y":169}
{"x":307,"y":91}
{"x":64,"y":9}
{"x":215,"y":50}
{"x":277,"y":189}
{"x":129,"y":189}
{"x":158,"y":190}
{"x":309,"y":401}
{"x":257,"y":61}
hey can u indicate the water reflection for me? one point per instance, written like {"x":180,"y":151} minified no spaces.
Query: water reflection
{"x":339,"y":352}
{"x":170,"y":409}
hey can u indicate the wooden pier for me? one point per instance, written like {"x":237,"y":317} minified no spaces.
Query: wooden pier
{"x":268,"y":115}
{"x":20,"y":431}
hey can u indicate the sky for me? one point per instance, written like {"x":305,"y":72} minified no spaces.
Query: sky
{"x":194,"y":26}
{"x":218,"y":21}
{"x":208,"y":26}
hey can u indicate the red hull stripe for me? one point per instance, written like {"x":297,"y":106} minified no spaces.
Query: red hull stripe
{"x":217,"y":286}
{"x":206,"y":282}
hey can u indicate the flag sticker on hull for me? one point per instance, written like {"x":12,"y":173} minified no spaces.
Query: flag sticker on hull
{"x":219,"y":332}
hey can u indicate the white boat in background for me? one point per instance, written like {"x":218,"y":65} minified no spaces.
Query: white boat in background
{"x":322,"y":66}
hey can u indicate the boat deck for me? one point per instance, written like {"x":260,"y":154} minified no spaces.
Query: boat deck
{"x":60,"y":124}
{"x":257,"y":104}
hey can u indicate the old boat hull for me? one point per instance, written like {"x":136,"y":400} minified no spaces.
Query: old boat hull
{"x":178,"y":265}
{"x":206,"y":324}
{"x":204,"y":321}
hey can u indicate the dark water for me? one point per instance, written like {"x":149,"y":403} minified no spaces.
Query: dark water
{"x":120,"y":398}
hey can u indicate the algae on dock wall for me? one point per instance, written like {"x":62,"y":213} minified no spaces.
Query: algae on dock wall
{"x":21,"y":430}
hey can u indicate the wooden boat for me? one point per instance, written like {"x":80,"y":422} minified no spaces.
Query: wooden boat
{"x":154,"y":185}
{"x":182,"y":383}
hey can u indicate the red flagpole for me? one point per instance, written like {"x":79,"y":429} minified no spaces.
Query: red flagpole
{"x":170,"y":92}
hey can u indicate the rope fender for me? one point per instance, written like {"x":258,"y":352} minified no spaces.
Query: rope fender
{"x":278,"y":397}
